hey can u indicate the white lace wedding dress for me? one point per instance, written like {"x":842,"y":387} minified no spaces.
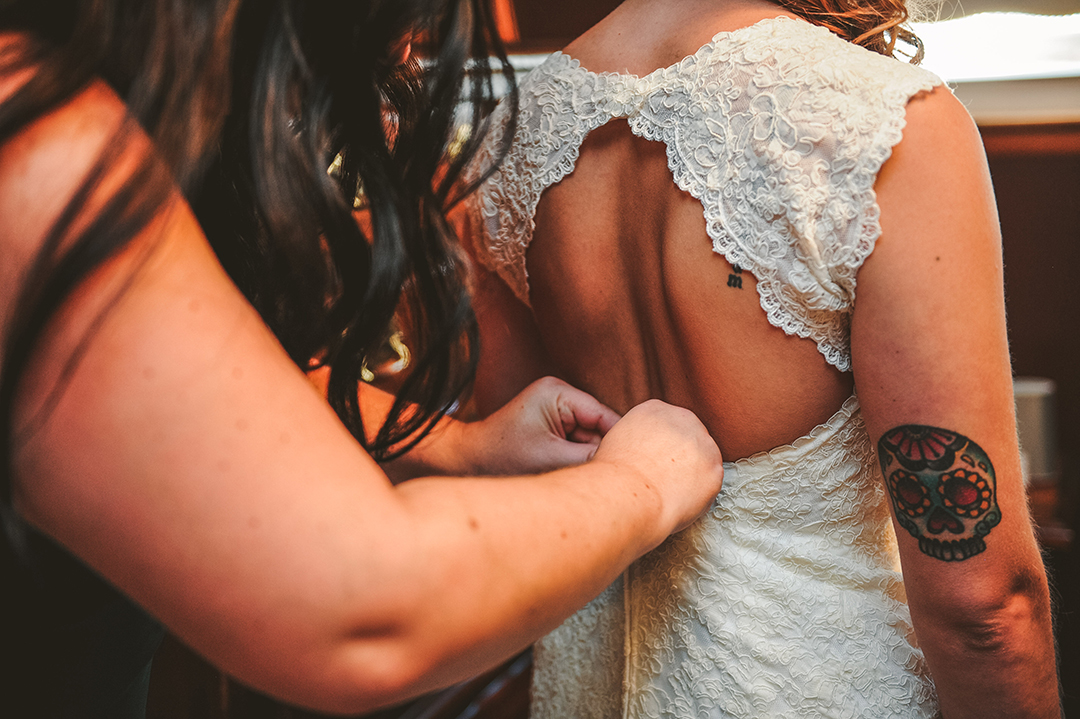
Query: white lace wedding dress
{"x":785,"y":599}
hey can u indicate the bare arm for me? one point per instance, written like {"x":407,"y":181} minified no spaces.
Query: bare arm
{"x":932,"y":371}
{"x":548,"y":425}
{"x":194,"y":466}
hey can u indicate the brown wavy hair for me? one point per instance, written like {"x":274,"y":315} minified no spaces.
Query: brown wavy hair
{"x":877,"y":25}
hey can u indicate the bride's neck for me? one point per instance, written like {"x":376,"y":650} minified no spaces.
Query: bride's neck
{"x":642,"y":35}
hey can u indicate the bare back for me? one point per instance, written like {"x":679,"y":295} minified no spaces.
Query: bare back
{"x":629,"y":297}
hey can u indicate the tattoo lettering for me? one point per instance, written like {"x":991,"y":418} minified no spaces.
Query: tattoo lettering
{"x":942,"y":487}
{"x":735,"y":280}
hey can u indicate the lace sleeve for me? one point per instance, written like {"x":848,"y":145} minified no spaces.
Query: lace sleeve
{"x":559,"y":105}
{"x":782,"y":143}
{"x":544,"y":149}
{"x":487,"y":207}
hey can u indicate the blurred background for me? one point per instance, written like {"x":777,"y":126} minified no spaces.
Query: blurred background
{"x":1016,"y":65}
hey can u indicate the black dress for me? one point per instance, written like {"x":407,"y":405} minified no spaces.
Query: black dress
{"x":73,"y":645}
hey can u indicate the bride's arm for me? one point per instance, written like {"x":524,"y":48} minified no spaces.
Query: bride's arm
{"x":932,"y":371}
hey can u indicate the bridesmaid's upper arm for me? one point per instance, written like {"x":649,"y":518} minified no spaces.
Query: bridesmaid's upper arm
{"x":184,"y":457}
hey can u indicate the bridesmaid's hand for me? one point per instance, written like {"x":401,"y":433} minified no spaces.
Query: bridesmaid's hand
{"x":670,"y":449}
{"x":548,"y":425}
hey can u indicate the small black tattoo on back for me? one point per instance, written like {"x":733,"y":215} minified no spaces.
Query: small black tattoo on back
{"x":943,"y":489}
{"x":735,"y":279}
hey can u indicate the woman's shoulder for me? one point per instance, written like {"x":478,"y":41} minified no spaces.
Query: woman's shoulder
{"x":801,"y":53}
{"x":78,"y":123}
{"x":14,"y":46}
{"x":45,"y":160}
{"x":940,"y":138}
{"x":937,"y":114}
{"x":824,"y":96}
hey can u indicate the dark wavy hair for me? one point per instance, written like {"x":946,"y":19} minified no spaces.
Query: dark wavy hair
{"x":248,"y":105}
{"x":877,"y":25}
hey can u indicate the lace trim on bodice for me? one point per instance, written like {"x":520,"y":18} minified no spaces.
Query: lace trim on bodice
{"x":779,"y":129}
{"x":783,"y":600}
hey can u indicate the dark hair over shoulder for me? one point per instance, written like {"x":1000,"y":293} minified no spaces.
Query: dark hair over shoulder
{"x":248,"y":105}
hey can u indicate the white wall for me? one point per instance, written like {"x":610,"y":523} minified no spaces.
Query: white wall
{"x":954,"y":8}
{"x":1009,"y":68}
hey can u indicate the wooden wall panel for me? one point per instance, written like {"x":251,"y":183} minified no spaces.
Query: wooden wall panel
{"x":1036,"y":175}
{"x":550,"y":25}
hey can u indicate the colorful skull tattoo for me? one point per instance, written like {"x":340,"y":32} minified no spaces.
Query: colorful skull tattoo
{"x":942,"y":487}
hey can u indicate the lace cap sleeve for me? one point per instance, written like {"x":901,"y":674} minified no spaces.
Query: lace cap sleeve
{"x":781,"y":137}
{"x":559,"y":105}
{"x":492,"y":212}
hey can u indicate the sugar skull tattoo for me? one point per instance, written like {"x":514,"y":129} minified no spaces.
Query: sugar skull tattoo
{"x":942,"y":487}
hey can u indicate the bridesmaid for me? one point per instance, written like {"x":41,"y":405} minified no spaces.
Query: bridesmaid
{"x":176,"y":256}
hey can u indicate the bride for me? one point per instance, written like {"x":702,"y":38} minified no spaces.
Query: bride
{"x":694,"y":191}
